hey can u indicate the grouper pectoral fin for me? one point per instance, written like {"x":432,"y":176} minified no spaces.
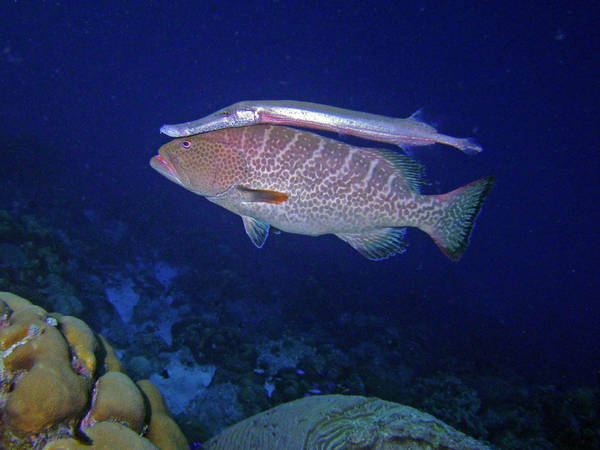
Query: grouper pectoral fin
{"x":256,"y":230}
{"x":380,"y":243}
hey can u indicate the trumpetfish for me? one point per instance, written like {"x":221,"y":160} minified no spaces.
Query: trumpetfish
{"x":402,"y":132}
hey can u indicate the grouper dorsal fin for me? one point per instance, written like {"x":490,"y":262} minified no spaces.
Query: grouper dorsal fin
{"x":380,"y":243}
{"x":256,"y":230}
{"x":412,"y":170}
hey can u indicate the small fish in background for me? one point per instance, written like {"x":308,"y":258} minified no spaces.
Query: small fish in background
{"x":301,"y":182}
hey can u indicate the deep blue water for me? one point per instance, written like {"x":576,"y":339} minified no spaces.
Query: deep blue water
{"x":85,"y":87}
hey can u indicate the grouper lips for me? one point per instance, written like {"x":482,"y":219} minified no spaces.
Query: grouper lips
{"x":164,"y":167}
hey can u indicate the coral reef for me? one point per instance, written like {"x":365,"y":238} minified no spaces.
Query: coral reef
{"x":338,"y":421}
{"x":449,"y":398}
{"x":255,"y":343}
{"x":36,"y":261}
{"x":182,"y":380}
{"x":52,"y":369}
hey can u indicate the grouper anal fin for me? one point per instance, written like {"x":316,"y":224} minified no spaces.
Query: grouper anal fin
{"x":377,"y":244}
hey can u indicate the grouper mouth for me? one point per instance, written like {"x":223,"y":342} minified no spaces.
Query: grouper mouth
{"x":164,"y":167}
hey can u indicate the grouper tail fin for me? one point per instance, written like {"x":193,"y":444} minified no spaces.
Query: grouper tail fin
{"x":452,"y":231}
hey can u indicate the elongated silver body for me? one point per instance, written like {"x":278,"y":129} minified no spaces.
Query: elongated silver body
{"x":402,"y":132}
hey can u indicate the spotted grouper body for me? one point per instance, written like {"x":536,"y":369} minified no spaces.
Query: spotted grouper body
{"x":300,"y":182}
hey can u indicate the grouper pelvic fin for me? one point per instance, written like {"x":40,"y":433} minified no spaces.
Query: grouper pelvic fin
{"x":262,"y":195}
{"x":256,"y":230}
{"x":377,"y":244}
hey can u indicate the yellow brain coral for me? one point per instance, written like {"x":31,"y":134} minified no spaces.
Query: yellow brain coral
{"x":162,"y":429}
{"x":117,"y":399}
{"x":48,"y":372}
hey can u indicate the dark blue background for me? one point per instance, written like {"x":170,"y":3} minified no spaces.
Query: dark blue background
{"x":86,"y":86}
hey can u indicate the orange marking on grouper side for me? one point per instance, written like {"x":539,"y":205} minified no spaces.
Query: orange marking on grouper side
{"x":266,"y":196}
{"x":300,"y":182}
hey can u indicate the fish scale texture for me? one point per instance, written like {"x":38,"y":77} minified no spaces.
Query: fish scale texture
{"x":58,"y":392}
{"x":332,"y":187}
{"x":339,"y":421}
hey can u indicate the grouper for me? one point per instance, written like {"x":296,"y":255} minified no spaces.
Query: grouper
{"x":300,"y":182}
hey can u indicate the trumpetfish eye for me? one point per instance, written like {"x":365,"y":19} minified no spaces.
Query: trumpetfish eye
{"x":186,"y":144}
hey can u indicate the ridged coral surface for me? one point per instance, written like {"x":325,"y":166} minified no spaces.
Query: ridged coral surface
{"x":62,"y":387}
{"x":339,"y":421}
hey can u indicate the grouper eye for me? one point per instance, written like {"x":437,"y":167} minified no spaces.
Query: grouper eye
{"x":186,"y":144}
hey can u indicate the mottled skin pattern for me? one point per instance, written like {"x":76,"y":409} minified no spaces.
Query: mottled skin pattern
{"x":304,"y":183}
{"x":332,"y":187}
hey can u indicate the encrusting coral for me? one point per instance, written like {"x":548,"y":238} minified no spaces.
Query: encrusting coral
{"x":62,"y":387}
